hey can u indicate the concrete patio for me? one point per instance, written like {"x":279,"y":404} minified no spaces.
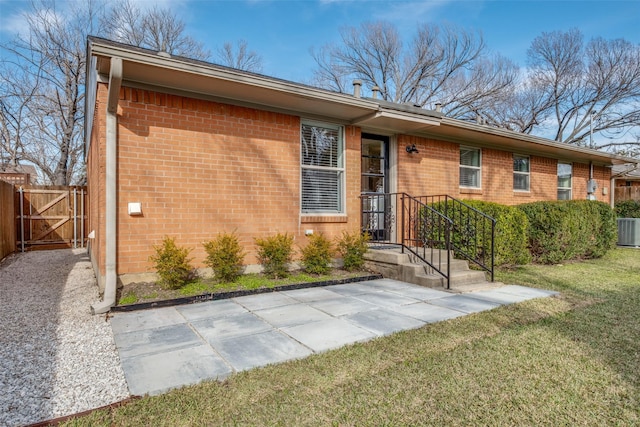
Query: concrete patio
{"x":170,"y":347}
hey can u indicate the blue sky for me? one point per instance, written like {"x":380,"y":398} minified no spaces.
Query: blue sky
{"x":283,"y":32}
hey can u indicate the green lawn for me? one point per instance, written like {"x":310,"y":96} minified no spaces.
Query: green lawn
{"x":568,"y":360}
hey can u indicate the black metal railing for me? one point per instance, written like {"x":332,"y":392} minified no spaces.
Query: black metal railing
{"x":401,"y":220}
{"x":431,"y":227}
{"x":473,"y":233}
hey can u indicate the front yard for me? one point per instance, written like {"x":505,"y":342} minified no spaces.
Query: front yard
{"x":569,"y":360}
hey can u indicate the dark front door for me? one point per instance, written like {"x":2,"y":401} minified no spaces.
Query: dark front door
{"x":374,"y":185}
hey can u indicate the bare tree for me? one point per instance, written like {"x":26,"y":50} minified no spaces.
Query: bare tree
{"x":573,"y":90}
{"x":441,"y":64}
{"x":157,"y":29}
{"x":240,"y":57}
{"x":43,"y":89}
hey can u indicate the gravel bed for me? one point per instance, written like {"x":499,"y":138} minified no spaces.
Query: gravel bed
{"x":56,"y":358}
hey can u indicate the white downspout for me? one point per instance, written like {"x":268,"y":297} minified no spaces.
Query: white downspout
{"x":115,"y":81}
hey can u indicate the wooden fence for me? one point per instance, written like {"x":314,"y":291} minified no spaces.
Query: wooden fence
{"x":627,"y":193}
{"x":50,"y":217}
{"x":7,"y":220}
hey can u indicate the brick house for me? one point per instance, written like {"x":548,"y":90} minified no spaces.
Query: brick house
{"x":188,"y":149}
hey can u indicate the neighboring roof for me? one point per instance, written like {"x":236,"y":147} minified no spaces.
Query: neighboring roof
{"x":146,"y":69}
{"x":629,"y":172}
{"x":29,"y":169}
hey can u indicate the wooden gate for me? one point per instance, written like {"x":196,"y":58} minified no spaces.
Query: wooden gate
{"x":49,"y":217}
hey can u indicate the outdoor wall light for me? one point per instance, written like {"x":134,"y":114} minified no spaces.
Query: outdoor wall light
{"x":412,"y":149}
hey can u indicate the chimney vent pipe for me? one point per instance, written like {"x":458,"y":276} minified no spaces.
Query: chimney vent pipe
{"x":375,"y":91}
{"x":357,"y":84}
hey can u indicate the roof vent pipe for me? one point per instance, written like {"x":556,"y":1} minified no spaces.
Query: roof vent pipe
{"x":479,"y":119}
{"x":375,"y":91}
{"x":357,"y":84}
{"x":438,"y":107}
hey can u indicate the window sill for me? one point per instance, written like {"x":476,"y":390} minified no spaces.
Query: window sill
{"x":306,"y":219}
{"x":466,"y":190}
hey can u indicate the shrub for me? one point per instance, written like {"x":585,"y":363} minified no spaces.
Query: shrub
{"x":275,"y":253}
{"x":316,"y":256}
{"x":224,"y":256}
{"x":352,"y":247}
{"x":628,"y":209}
{"x":172,"y":263}
{"x":565,"y":230}
{"x":510,"y":240}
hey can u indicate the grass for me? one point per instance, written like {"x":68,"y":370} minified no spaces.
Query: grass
{"x":567,"y":360}
{"x":150,"y":291}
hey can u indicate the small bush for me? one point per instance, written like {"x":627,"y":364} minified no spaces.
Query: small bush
{"x":352,"y":247}
{"x":316,"y":256}
{"x":172,"y":263}
{"x":628,"y":209}
{"x":275,"y":253}
{"x":565,"y":230}
{"x":224,"y":256}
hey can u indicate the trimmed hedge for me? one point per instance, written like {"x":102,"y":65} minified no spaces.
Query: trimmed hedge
{"x":628,"y":209}
{"x":510,"y":245}
{"x":566,"y":230}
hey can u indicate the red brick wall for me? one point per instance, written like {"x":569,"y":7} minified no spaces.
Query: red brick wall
{"x":96,"y":166}
{"x":199,"y":168}
{"x":435,"y":170}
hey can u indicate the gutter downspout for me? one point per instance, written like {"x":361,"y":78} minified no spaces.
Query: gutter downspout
{"x":115,"y":81}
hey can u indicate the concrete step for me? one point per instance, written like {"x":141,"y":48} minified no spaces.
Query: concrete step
{"x":394,"y":264}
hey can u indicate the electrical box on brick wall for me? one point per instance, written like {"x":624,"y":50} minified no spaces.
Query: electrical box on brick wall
{"x":592,"y":185}
{"x":135,"y":209}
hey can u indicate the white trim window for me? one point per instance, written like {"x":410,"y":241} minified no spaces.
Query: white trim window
{"x":470,"y":167}
{"x":322,"y":168}
{"x":521,"y":173}
{"x":565,"y":172}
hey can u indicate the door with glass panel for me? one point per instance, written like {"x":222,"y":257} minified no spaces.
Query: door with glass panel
{"x":374,"y":186}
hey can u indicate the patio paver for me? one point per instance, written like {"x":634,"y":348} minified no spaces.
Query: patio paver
{"x":170,"y":347}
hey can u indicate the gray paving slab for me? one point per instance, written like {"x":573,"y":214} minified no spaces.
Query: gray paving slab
{"x":157,"y":373}
{"x":170,"y":347}
{"x":328,"y":334}
{"x":465,"y":304}
{"x":290,"y":315}
{"x":351,"y":289}
{"x":526,"y":291}
{"x":158,"y":340}
{"x":342,"y":305}
{"x":422,"y":293}
{"x":265,"y":348}
{"x":311,"y":294}
{"x":386,"y":299}
{"x":231,"y":326}
{"x":388,"y":284}
{"x":495,"y":295}
{"x":145,"y":319}
{"x":428,"y":313}
{"x":215,"y":309}
{"x":268,"y":300}
{"x":383,"y":322}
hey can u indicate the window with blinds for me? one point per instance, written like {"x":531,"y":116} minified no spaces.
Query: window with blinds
{"x":470,"y":167}
{"x":565,"y":170}
{"x":322,"y":168}
{"x":521,"y":173}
